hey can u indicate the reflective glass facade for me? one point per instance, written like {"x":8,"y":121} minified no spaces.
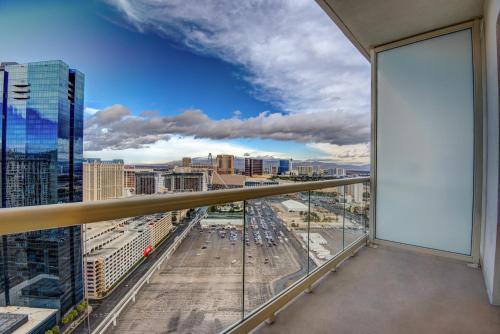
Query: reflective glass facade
{"x":284,"y":166}
{"x":41,"y":163}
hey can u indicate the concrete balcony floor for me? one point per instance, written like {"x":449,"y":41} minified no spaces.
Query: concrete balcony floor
{"x":390,"y":290}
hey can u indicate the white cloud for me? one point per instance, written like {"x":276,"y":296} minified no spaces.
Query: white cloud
{"x":349,"y":154}
{"x":124,"y":130}
{"x":294,"y":55}
{"x":90,"y":111}
{"x":177,"y":147}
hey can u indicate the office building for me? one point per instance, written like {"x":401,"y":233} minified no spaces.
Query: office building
{"x":225,"y":164}
{"x":186,"y":181}
{"x":253,"y":166}
{"x":41,"y":163}
{"x":145,"y":183}
{"x":102,"y":179}
{"x":284,"y":166}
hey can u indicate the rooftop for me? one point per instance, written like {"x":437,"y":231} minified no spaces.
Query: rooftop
{"x":14,"y":318}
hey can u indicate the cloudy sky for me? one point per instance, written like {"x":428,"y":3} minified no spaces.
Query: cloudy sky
{"x":165,"y":79}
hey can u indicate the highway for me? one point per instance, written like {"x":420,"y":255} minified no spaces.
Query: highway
{"x":102,"y":307}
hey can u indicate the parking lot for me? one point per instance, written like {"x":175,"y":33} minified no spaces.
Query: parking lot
{"x":200,"y":288}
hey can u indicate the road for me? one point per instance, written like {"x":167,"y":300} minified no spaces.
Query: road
{"x":102,"y":307}
{"x":264,"y":212}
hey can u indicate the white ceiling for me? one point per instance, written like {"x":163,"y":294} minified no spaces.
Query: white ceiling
{"x":370,"y":23}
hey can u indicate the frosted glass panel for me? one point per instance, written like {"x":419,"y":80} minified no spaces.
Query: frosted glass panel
{"x":425,"y":140}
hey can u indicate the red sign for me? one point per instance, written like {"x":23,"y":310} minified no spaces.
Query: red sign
{"x":148,"y":250}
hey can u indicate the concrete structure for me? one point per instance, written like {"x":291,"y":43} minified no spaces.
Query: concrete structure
{"x":294,"y":206}
{"x":102,"y":179}
{"x":26,"y":320}
{"x":117,"y":246}
{"x":253,"y":166}
{"x":225,"y":164}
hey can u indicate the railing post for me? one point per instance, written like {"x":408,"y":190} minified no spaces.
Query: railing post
{"x":271,"y":319}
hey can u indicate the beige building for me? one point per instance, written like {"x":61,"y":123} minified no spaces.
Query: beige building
{"x":102,"y":179}
{"x":305,"y":170}
{"x":117,"y":246}
{"x":186,"y":162}
{"x":225,"y":164}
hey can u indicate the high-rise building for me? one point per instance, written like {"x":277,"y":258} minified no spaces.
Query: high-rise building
{"x":145,"y":183}
{"x":253,"y":166}
{"x":186,"y":181}
{"x":305,"y":170}
{"x":225,"y":164}
{"x":284,"y":166}
{"x":41,"y":163}
{"x":102,"y":179}
{"x":129,"y":179}
{"x":186,"y":162}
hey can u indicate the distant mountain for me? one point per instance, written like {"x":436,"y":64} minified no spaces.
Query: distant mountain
{"x":239,"y":163}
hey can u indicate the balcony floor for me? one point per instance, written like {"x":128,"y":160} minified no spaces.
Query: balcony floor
{"x":389,"y":290}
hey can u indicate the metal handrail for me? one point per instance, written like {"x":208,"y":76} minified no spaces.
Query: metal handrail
{"x":32,"y":218}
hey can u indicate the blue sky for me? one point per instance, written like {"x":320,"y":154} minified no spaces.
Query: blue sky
{"x":188,"y":79}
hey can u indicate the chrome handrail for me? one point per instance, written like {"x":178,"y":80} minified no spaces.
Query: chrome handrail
{"x":32,"y":218}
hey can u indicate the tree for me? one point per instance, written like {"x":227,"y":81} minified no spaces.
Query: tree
{"x":49,"y":332}
{"x":80,"y":308}
{"x":65,"y":320}
{"x":74,"y":313}
{"x":56,"y":329}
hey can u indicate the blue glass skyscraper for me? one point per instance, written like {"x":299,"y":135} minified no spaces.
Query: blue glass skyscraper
{"x":41,"y":163}
{"x":284,"y":166}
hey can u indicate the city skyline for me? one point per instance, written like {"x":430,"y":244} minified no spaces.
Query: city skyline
{"x":204,"y":91}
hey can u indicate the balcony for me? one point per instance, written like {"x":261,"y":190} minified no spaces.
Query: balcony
{"x":413,"y":248}
{"x":391,"y":290}
{"x":315,"y":271}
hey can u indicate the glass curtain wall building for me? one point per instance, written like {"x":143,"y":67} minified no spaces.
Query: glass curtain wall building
{"x":284,"y":166}
{"x":41,"y":163}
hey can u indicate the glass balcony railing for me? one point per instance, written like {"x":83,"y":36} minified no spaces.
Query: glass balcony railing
{"x":220,"y":261}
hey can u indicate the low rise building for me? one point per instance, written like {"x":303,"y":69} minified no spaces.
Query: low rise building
{"x":113,"y":253}
{"x":259,"y":182}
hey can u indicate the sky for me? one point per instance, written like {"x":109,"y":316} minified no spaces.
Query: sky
{"x":173,"y":78}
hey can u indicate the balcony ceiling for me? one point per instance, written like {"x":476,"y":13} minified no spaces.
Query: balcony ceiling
{"x":370,"y":23}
